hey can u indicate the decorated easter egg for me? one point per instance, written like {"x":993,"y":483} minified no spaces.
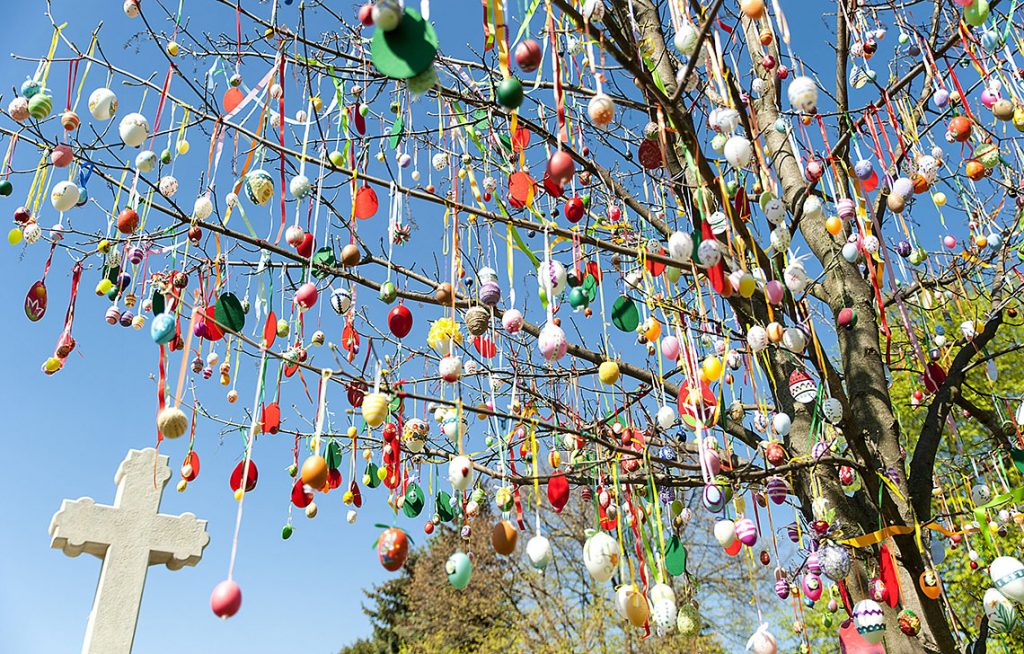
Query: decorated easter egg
{"x":162,"y":328}
{"x":802,"y":387}
{"x":552,"y":342}
{"x":777,"y":489}
{"x":1002,"y":614}
{"x":746,"y":531}
{"x":102,"y":104}
{"x":803,"y":94}
{"x":460,"y":472}
{"x":601,"y":556}
{"x":392,"y":548}
{"x":40,"y":105}
{"x":835,"y":562}
{"x":133,"y":129}
{"x":259,"y":187}
{"x":869,"y":620}
{"x":981,"y":494}
{"x":832,"y":409}
{"x":1008,"y":577}
{"x":172,"y":422}
{"x":375,"y":409}
{"x":64,"y":195}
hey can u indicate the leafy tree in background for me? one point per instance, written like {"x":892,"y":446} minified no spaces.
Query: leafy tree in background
{"x":508,"y":606}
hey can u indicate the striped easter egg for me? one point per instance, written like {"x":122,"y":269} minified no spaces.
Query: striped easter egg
{"x":375,"y":409}
{"x":782,"y":588}
{"x":777,"y":489}
{"x":40,"y":105}
{"x":869,"y":619}
{"x":746,"y":531}
{"x":814,"y":563}
{"x":793,"y":532}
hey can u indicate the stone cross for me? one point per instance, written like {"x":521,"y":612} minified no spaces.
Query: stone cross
{"x":129,"y":537}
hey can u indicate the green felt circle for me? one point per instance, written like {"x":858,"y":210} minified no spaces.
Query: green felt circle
{"x":407,"y":50}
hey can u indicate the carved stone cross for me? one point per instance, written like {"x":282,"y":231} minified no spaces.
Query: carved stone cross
{"x":129,"y":537}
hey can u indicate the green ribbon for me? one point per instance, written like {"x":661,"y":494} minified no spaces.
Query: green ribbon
{"x":1014,"y":496}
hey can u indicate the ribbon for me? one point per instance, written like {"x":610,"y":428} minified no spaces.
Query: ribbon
{"x":1014,"y":496}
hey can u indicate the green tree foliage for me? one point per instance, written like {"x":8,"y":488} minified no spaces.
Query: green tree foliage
{"x":510,"y":607}
{"x":985,"y":423}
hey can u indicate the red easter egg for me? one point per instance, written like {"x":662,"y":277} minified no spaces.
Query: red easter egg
{"x":574,"y":209}
{"x":232,"y":98}
{"x":400,"y":321}
{"x":35,"y":301}
{"x":649,"y":154}
{"x":192,"y":461}
{"x":392,"y":548}
{"x":226,"y":599}
{"x":561,"y":167}
{"x":558,"y":491}
{"x":528,"y":55}
{"x":305,"y":249}
{"x":300,"y":497}
{"x":933,"y":377}
{"x":271,"y":422}
{"x":127,"y":221}
{"x":366,"y":15}
{"x":250,"y":481}
{"x":485,"y":347}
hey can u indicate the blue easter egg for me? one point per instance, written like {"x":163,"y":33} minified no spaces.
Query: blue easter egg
{"x":162,"y":329}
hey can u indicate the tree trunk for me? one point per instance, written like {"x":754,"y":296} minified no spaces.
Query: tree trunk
{"x":869,"y":423}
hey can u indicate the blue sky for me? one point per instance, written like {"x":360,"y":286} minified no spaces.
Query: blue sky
{"x":75,"y":427}
{"x":67,"y":433}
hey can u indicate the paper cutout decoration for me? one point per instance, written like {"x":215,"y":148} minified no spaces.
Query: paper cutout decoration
{"x":407,"y":50}
{"x":366,"y":203}
{"x":625,"y":315}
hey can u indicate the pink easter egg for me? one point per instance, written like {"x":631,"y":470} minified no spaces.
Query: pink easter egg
{"x":746,"y":531}
{"x":306,"y":296}
{"x":712,"y":462}
{"x":226,"y":599}
{"x":949,"y":241}
{"x":775,"y":291}
{"x":812,"y":586}
{"x":670,"y":348}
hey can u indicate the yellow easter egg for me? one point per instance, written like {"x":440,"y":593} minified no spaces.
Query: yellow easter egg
{"x":608,"y":372}
{"x":652,"y":329}
{"x":183,"y":147}
{"x":747,"y":285}
{"x":14,"y":236}
{"x":834,"y":225}
{"x":375,"y":409}
{"x":940,"y":199}
{"x":712,"y":368}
